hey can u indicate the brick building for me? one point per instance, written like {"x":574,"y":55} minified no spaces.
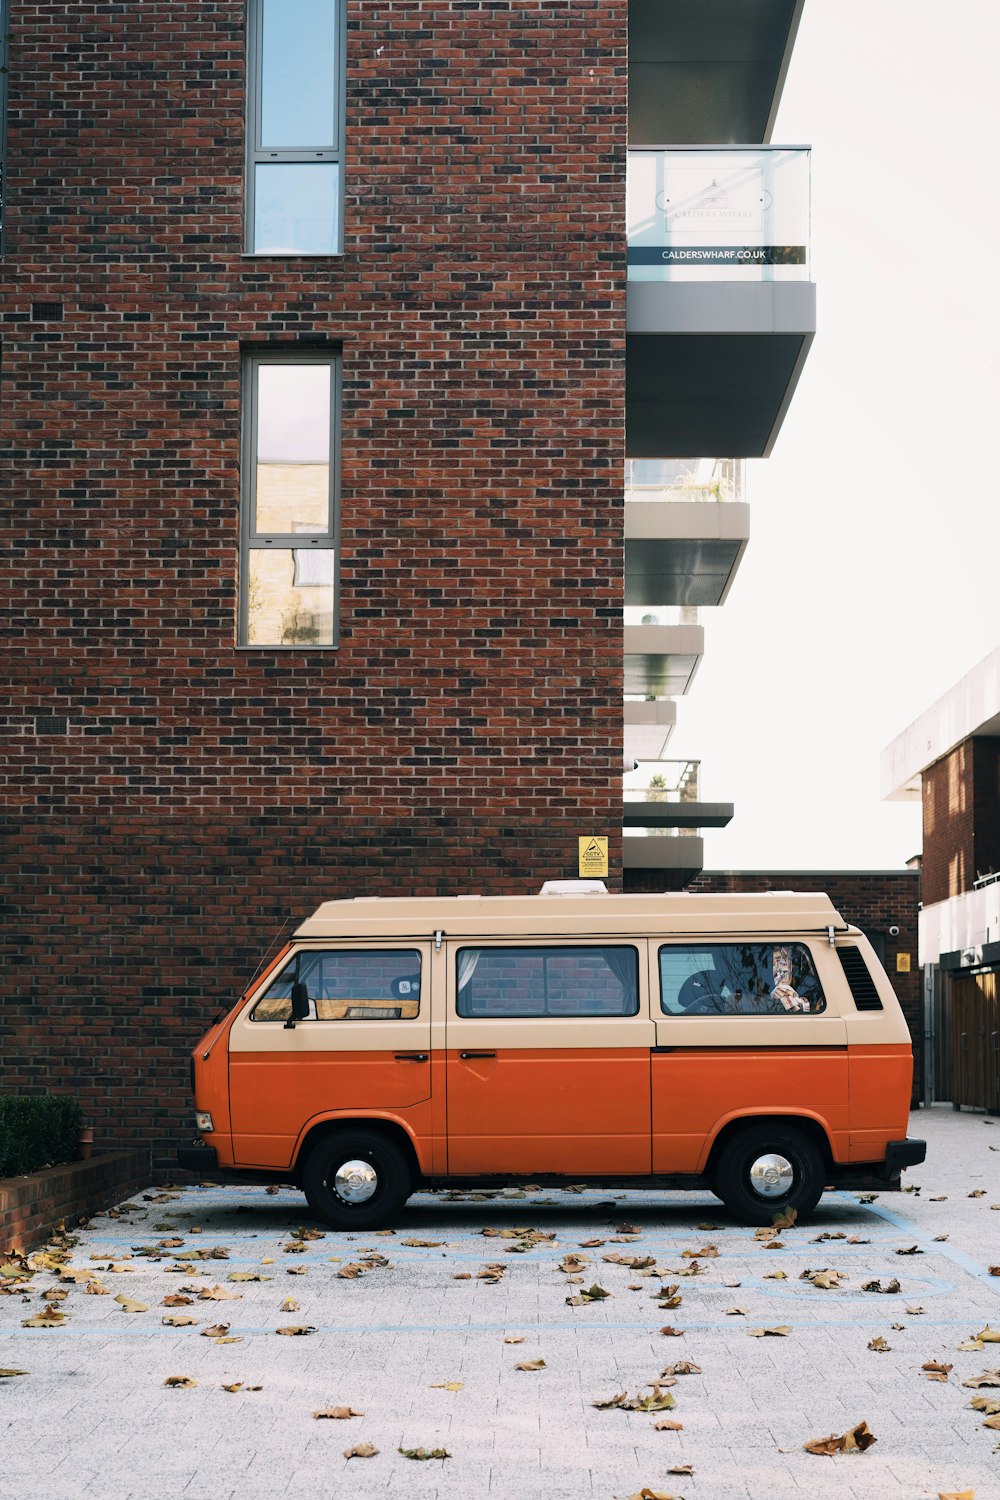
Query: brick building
{"x":949,"y":758}
{"x":323,"y":352}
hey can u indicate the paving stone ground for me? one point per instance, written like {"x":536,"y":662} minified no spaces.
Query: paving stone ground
{"x":92,"y":1417}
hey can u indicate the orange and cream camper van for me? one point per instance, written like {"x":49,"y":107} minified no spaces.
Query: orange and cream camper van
{"x":749,"y":1044}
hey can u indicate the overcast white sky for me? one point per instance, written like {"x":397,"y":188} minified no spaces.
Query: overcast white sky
{"x":870,"y":583}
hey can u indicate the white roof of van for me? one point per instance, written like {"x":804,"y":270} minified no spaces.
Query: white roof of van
{"x":584,"y":915}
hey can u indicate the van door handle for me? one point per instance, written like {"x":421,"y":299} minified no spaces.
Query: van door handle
{"x":477,"y":1054}
{"x":411,"y":1056}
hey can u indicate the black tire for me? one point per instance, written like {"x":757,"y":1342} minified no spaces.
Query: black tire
{"x":394,"y":1181}
{"x":732,"y":1181}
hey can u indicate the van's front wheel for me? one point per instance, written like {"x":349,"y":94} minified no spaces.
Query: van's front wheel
{"x":356,"y":1179}
{"x":764,"y":1169}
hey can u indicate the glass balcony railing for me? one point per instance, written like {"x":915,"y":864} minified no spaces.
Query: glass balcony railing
{"x":720,"y":213}
{"x":663,"y":614}
{"x":663,"y":781}
{"x":668,"y":479}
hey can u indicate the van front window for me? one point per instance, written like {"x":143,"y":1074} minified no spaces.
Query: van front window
{"x":347,"y":985}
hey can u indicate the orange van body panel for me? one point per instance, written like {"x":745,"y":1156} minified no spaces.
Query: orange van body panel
{"x":697,"y":1092}
{"x":275,"y":1096}
{"x":537,"y":1110}
{"x":881,"y":1077}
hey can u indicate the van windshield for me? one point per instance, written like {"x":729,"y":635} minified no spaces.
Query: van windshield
{"x":347,"y":985}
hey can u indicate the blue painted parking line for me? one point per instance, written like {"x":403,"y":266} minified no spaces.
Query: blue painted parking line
{"x":919,"y":1236}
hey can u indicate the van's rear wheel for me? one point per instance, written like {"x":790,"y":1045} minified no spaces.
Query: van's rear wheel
{"x":764,"y":1169}
{"x":356,"y":1179}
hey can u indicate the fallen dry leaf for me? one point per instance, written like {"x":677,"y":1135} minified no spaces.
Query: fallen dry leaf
{"x":591,"y":1244}
{"x":910,"y":1250}
{"x":936,"y":1371}
{"x":658,"y":1400}
{"x":593,"y":1293}
{"x":988,"y":1335}
{"x":96,"y":1289}
{"x":879,"y":1346}
{"x":178,"y":1320}
{"x":647,"y":1494}
{"x":736,"y":1312}
{"x":449,"y":1385}
{"x":775,"y":1275}
{"x":854,"y":1440}
{"x":682,"y":1367}
{"x":217,"y":1331}
{"x":667,"y":1425}
{"x":531,"y":1364}
{"x":572,"y":1265}
{"x":425,"y":1244}
{"x":296,"y":1330}
{"x":785,"y":1219}
{"x":977,"y":1193}
{"x":988,"y":1377}
{"x":175,"y":1300}
{"x":681,"y":1469}
{"x":289,"y":1305}
{"x":987,"y":1404}
{"x":128,"y":1304}
{"x":824,"y":1279}
{"x":514,"y":1338}
{"x":361,"y":1450}
{"x":914,"y":1311}
{"x":7,"y":1374}
{"x":956,"y":1495}
{"x":670,"y":1332}
{"x":218,"y":1294}
{"x":968,"y":1345}
{"x":239,"y":1386}
{"x":876,"y":1286}
{"x":246,"y":1276}
{"x":422,"y":1454}
{"x":179,"y":1382}
{"x":51,"y":1317}
{"x":339,"y":1413}
{"x":781,"y":1331}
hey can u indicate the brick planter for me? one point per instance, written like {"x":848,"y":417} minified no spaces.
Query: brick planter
{"x":32,"y":1206}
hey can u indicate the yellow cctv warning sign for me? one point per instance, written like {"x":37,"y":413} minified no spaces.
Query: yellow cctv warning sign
{"x":593,"y":856}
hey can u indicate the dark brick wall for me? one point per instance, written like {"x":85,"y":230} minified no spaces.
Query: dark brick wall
{"x":961,"y":808}
{"x":873,"y":900}
{"x":170,"y":800}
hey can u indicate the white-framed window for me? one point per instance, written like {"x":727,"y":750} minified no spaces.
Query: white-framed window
{"x":289,"y":512}
{"x":295,"y":127}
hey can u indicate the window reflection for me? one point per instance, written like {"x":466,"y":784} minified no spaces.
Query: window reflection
{"x":297,"y":208}
{"x":299,"y":69}
{"x":290,"y":596}
{"x":292,"y":449}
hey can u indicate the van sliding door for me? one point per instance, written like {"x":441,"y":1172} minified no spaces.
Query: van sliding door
{"x":548,"y":1057}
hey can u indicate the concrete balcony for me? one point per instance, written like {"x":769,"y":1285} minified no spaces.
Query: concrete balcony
{"x":685,"y":854}
{"x":648,"y":727}
{"x":720,"y":310}
{"x":661,"y":660}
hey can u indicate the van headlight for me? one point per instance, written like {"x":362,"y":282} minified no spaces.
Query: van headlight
{"x":203,"y":1120}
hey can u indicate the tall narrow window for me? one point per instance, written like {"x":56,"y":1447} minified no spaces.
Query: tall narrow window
{"x":295,"y":115}
{"x":288,"y":566}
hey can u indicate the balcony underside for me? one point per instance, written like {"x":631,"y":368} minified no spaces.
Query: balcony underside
{"x":711,"y":367}
{"x":648,"y":727}
{"x":707,"y":72}
{"x":661,"y":660}
{"x":682,"y":553}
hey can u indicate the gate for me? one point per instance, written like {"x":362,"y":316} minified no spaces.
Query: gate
{"x":974,"y":1006}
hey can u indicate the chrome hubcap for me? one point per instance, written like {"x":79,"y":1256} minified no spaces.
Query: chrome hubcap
{"x":355,"y":1181}
{"x":772,"y":1176}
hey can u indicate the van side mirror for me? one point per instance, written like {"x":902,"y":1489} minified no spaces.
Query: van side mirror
{"x":300,"y":1004}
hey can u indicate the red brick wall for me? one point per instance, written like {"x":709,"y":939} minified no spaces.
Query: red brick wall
{"x":961,"y":807}
{"x":872,"y":900}
{"x":32,"y":1206}
{"x":169,"y":800}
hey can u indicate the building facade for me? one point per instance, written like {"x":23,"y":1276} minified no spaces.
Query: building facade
{"x":324,"y":348}
{"x":949,"y":758}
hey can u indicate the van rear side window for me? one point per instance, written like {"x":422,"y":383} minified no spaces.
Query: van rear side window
{"x":552,"y":981}
{"x":347,"y":985}
{"x":739,"y":979}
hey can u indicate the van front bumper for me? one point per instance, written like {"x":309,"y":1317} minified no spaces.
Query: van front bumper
{"x":908,"y":1153}
{"x":198,"y":1158}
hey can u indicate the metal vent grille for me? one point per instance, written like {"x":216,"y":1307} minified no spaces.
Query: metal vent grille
{"x":46,"y":312}
{"x":866,"y":996}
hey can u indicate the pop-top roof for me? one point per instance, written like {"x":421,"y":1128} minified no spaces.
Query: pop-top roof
{"x":583,"y":915}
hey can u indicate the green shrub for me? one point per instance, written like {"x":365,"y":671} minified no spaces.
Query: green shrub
{"x":37,"y":1130}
